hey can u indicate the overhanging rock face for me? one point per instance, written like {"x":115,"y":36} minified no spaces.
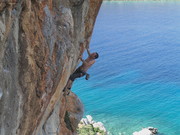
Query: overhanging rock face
{"x":39,"y":49}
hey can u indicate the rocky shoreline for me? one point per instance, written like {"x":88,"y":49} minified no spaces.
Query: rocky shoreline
{"x":147,"y":131}
{"x":88,"y":126}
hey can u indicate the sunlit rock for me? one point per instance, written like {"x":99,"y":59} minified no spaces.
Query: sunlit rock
{"x":147,"y":131}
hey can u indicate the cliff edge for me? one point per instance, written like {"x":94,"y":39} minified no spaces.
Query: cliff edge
{"x":39,"y":49}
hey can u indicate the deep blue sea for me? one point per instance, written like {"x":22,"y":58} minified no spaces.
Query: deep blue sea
{"x":135,"y":83}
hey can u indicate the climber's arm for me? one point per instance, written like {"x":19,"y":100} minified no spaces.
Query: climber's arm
{"x":88,"y":51}
{"x":82,"y":59}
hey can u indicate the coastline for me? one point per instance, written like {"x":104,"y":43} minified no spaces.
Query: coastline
{"x":88,"y":126}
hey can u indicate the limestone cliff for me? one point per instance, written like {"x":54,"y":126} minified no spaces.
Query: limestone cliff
{"x":39,"y":49}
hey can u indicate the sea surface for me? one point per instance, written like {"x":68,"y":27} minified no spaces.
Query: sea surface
{"x":135,"y":83}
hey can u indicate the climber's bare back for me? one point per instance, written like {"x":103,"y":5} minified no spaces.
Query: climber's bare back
{"x":88,"y":62}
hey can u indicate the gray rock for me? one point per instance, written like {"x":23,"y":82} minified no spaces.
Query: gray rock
{"x":1,"y":93}
{"x":153,"y":130}
{"x":85,"y":121}
{"x":90,"y":119}
{"x":146,"y":131}
{"x":100,"y":126}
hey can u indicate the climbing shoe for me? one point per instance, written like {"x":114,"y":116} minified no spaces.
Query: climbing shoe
{"x":87,"y":76}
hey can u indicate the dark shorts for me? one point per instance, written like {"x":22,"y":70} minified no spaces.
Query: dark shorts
{"x":77,"y":74}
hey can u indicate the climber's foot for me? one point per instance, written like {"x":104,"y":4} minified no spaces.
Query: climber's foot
{"x":87,"y":76}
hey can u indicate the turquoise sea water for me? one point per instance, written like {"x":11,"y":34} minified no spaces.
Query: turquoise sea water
{"x":136,"y":81}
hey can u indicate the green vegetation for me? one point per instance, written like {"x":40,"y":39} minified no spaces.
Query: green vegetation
{"x":90,"y":130}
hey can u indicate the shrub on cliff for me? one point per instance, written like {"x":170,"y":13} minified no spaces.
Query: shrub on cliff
{"x":90,"y":130}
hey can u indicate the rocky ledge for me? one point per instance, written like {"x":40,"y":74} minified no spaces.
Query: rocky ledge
{"x":147,"y":131}
{"x":88,"y":126}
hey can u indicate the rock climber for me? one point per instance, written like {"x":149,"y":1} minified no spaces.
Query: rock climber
{"x":82,"y":70}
